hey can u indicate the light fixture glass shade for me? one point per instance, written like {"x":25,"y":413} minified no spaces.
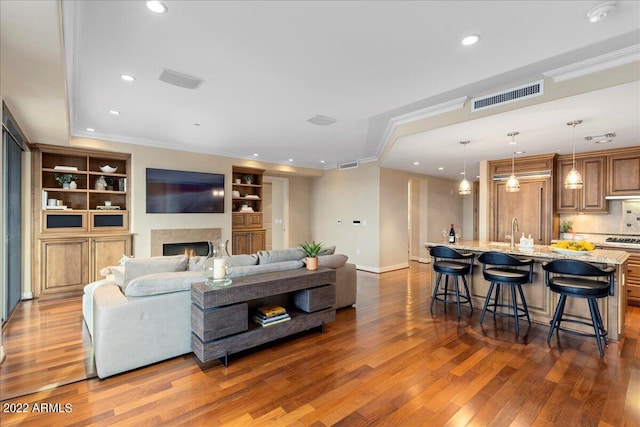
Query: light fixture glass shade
{"x":464,"y":188}
{"x":573,"y":181}
{"x":513,"y":185}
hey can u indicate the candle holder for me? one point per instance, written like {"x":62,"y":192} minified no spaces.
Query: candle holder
{"x":216,"y":271}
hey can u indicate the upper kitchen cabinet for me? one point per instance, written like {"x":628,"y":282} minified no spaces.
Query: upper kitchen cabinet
{"x":589,"y":199}
{"x":532,"y":205}
{"x":624,"y":172}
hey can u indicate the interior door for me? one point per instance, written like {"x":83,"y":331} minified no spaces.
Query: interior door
{"x":530,"y":206}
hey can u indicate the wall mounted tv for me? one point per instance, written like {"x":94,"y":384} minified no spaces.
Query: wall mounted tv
{"x":171,"y":191}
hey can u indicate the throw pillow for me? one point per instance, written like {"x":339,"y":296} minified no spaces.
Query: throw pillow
{"x":163,"y":283}
{"x":332,"y":261}
{"x":327,"y":250}
{"x":242,"y":260}
{"x":136,"y":267}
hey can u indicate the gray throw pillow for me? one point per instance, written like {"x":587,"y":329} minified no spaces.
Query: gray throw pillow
{"x":332,"y":261}
{"x":163,"y":283}
{"x":279,"y":255}
{"x":136,"y":267}
{"x":264,"y":268}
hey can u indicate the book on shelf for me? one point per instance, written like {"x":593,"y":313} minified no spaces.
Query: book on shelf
{"x":271,"y":310}
{"x":66,"y":168}
{"x":271,"y":321}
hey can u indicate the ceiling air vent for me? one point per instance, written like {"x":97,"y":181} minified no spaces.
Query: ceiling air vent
{"x":529,"y":90}
{"x":321,"y":120}
{"x":349,"y":165}
{"x":181,"y":80}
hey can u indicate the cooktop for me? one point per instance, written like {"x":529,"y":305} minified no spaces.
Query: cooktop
{"x":630,"y":240}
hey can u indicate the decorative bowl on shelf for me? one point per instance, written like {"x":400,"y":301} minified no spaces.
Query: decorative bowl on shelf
{"x":108,"y":169}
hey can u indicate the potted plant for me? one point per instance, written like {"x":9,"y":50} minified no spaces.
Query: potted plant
{"x":66,"y":179}
{"x":110,"y":181}
{"x":311,"y":250}
{"x":248,"y":179}
{"x":566,"y":227}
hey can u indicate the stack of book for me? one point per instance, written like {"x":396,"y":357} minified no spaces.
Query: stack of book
{"x":271,"y":315}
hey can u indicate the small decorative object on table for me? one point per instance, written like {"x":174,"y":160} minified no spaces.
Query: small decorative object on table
{"x":216,"y":271}
{"x":311,"y":250}
{"x":573,"y":247}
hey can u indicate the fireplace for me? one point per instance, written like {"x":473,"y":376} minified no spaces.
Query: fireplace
{"x":181,"y":236}
{"x":204,"y":248}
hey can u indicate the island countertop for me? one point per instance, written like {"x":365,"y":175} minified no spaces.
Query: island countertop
{"x":540,"y":300}
{"x":604,"y":256}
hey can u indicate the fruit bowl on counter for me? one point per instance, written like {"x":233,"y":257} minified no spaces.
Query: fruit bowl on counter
{"x":573,"y":247}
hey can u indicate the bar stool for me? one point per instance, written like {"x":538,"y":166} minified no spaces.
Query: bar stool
{"x":500,"y":269}
{"x":449,"y":262}
{"x":574,"y":278}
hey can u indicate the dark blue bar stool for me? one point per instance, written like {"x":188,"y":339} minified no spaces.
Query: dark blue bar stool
{"x":501,"y":269}
{"x":449,"y":262}
{"x":573,"y":278}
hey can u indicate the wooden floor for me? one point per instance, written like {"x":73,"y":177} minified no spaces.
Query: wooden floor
{"x":388,"y":361}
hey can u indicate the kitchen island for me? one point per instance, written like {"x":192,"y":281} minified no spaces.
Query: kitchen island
{"x":540,"y":300}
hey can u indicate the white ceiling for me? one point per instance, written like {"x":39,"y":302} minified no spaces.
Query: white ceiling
{"x":268,"y":66}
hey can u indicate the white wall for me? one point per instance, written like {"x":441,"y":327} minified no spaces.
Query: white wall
{"x":347,"y":195}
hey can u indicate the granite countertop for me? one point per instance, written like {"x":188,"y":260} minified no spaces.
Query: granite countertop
{"x":604,"y":256}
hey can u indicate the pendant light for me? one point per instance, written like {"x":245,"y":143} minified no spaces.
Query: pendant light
{"x":513,"y":185}
{"x":573,"y":181}
{"x":465,"y":186}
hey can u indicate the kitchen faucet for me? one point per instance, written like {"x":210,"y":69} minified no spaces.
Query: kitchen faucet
{"x":514,"y":228}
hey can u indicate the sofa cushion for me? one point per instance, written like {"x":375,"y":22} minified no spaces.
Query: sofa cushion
{"x":242,"y":260}
{"x":280,"y":255}
{"x":136,"y":267}
{"x":196,"y":263}
{"x":163,"y":283}
{"x":249,"y":270}
{"x":327,"y":250}
{"x":332,"y":261}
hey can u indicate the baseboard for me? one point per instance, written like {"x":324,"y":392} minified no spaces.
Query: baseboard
{"x":382,"y":269}
{"x":1,"y":354}
{"x":27,"y":295}
{"x":421,"y":260}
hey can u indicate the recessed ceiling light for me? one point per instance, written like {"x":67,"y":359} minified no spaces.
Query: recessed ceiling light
{"x":601,"y":11}
{"x":196,"y":124}
{"x":291,"y":160}
{"x":255,"y":154}
{"x":127,"y":77}
{"x":470,"y":39}
{"x":416,"y":163}
{"x":91,"y":130}
{"x":321,"y":161}
{"x":156,"y":6}
{"x":519,"y":152}
{"x":114,"y":112}
{"x":440,"y":168}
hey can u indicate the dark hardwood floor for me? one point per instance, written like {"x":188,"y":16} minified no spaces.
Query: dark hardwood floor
{"x":388,"y":361}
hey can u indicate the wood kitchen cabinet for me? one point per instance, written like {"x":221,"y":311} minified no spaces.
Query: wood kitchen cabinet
{"x":249,"y":241}
{"x":624,"y":173}
{"x":532,"y":205}
{"x":633,"y":279}
{"x":589,"y":199}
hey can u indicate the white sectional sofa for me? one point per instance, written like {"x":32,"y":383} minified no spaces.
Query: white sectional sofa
{"x":141,"y":314}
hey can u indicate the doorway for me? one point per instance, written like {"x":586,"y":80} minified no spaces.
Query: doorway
{"x":276,"y":211}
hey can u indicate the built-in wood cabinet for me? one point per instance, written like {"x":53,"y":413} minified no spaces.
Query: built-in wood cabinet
{"x":88,"y":228}
{"x":633,"y":279}
{"x":248,"y":233}
{"x":589,"y":199}
{"x":624,"y":173}
{"x":532,"y":206}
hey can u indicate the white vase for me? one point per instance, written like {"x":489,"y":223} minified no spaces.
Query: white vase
{"x":65,"y":186}
{"x":73,"y":185}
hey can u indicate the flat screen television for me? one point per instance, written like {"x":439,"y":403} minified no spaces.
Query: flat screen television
{"x":172,"y":191}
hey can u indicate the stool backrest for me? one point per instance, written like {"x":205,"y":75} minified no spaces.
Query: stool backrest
{"x":574,"y":267}
{"x":445,"y":252}
{"x":493,"y":258}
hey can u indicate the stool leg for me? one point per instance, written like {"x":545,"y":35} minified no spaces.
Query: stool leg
{"x":446,"y":291}
{"x":594,"y":319}
{"x":495,"y":300}
{"x":515,"y":307}
{"x":524,"y":303}
{"x":457,"y":289}
{"x":466,"y":288}
{"x":486,"y":302}
{"x":600,"y":323}
{"x":555,"y":322}
{"x":435,"y":292}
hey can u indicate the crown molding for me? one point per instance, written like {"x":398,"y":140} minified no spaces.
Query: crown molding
{"x":592,"y":65}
